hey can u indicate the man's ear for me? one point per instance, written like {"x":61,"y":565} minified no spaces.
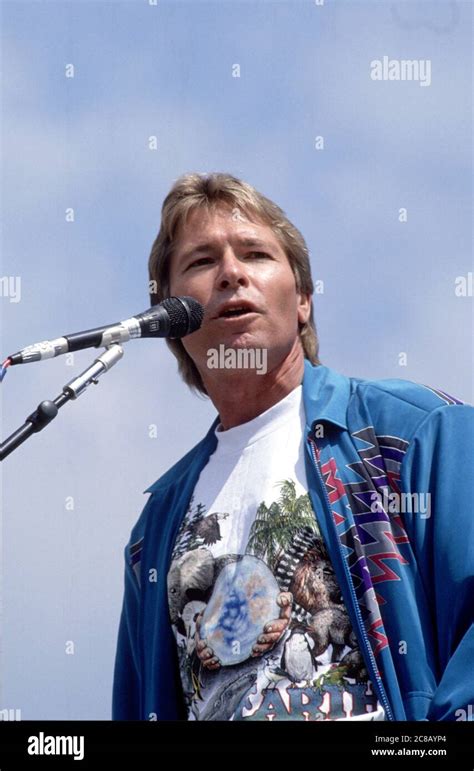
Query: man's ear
{"x":304,"y":307}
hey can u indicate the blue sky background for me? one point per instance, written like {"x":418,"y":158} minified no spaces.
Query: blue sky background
{"x":82,"y":142}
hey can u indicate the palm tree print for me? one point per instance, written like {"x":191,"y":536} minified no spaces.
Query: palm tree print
{"x":275,"y":526}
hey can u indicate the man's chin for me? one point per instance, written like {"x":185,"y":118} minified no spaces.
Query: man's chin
{"x":239,"y":340}
{"x":236,"y":354}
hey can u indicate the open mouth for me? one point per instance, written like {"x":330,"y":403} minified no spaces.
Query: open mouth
{"x":235,"y":312}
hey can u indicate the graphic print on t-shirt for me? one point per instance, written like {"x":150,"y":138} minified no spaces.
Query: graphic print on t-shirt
{"x":315,"y":671}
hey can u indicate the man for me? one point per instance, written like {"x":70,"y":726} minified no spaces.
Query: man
{"x":312,"y":557}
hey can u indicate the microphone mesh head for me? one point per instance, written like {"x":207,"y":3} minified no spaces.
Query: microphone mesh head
{"x":185,"y":314}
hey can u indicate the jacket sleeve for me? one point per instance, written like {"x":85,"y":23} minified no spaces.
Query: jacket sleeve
{"x":439,"y":462}
{"x":127,"y":685}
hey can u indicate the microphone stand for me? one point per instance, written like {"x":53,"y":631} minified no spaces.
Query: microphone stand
{"x":47,"y":410}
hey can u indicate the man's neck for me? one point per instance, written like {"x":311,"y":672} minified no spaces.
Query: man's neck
{"x":241,"y":396}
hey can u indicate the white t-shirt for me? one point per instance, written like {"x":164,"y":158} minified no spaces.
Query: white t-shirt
{"x":249,"y":534}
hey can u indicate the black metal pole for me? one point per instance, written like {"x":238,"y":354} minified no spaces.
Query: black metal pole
{"x":47,"y":410}
{"x":41,"y":417}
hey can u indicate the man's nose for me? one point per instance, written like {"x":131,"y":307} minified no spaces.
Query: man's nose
{"x":232,"y":272}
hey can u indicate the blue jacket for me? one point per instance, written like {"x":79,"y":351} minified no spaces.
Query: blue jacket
{"x":405,"y":563}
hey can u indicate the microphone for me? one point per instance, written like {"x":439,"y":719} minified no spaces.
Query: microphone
{"x":175,"y":317}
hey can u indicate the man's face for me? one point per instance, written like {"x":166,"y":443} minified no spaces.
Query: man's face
{"x":224,"y":260}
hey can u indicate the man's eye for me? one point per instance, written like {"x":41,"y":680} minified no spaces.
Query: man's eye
{"x":201,"y":261}
{"x":207,"y":260}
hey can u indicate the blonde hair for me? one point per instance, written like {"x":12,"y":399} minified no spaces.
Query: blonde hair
{"x":210,"y":191}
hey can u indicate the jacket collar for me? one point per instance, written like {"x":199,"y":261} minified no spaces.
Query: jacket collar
{"x":325,"y":395}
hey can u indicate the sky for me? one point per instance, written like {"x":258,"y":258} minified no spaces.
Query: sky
{"x":384,"y":203}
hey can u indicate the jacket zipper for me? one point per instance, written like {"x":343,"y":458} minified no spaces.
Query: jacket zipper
{"x":362,"y":630}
